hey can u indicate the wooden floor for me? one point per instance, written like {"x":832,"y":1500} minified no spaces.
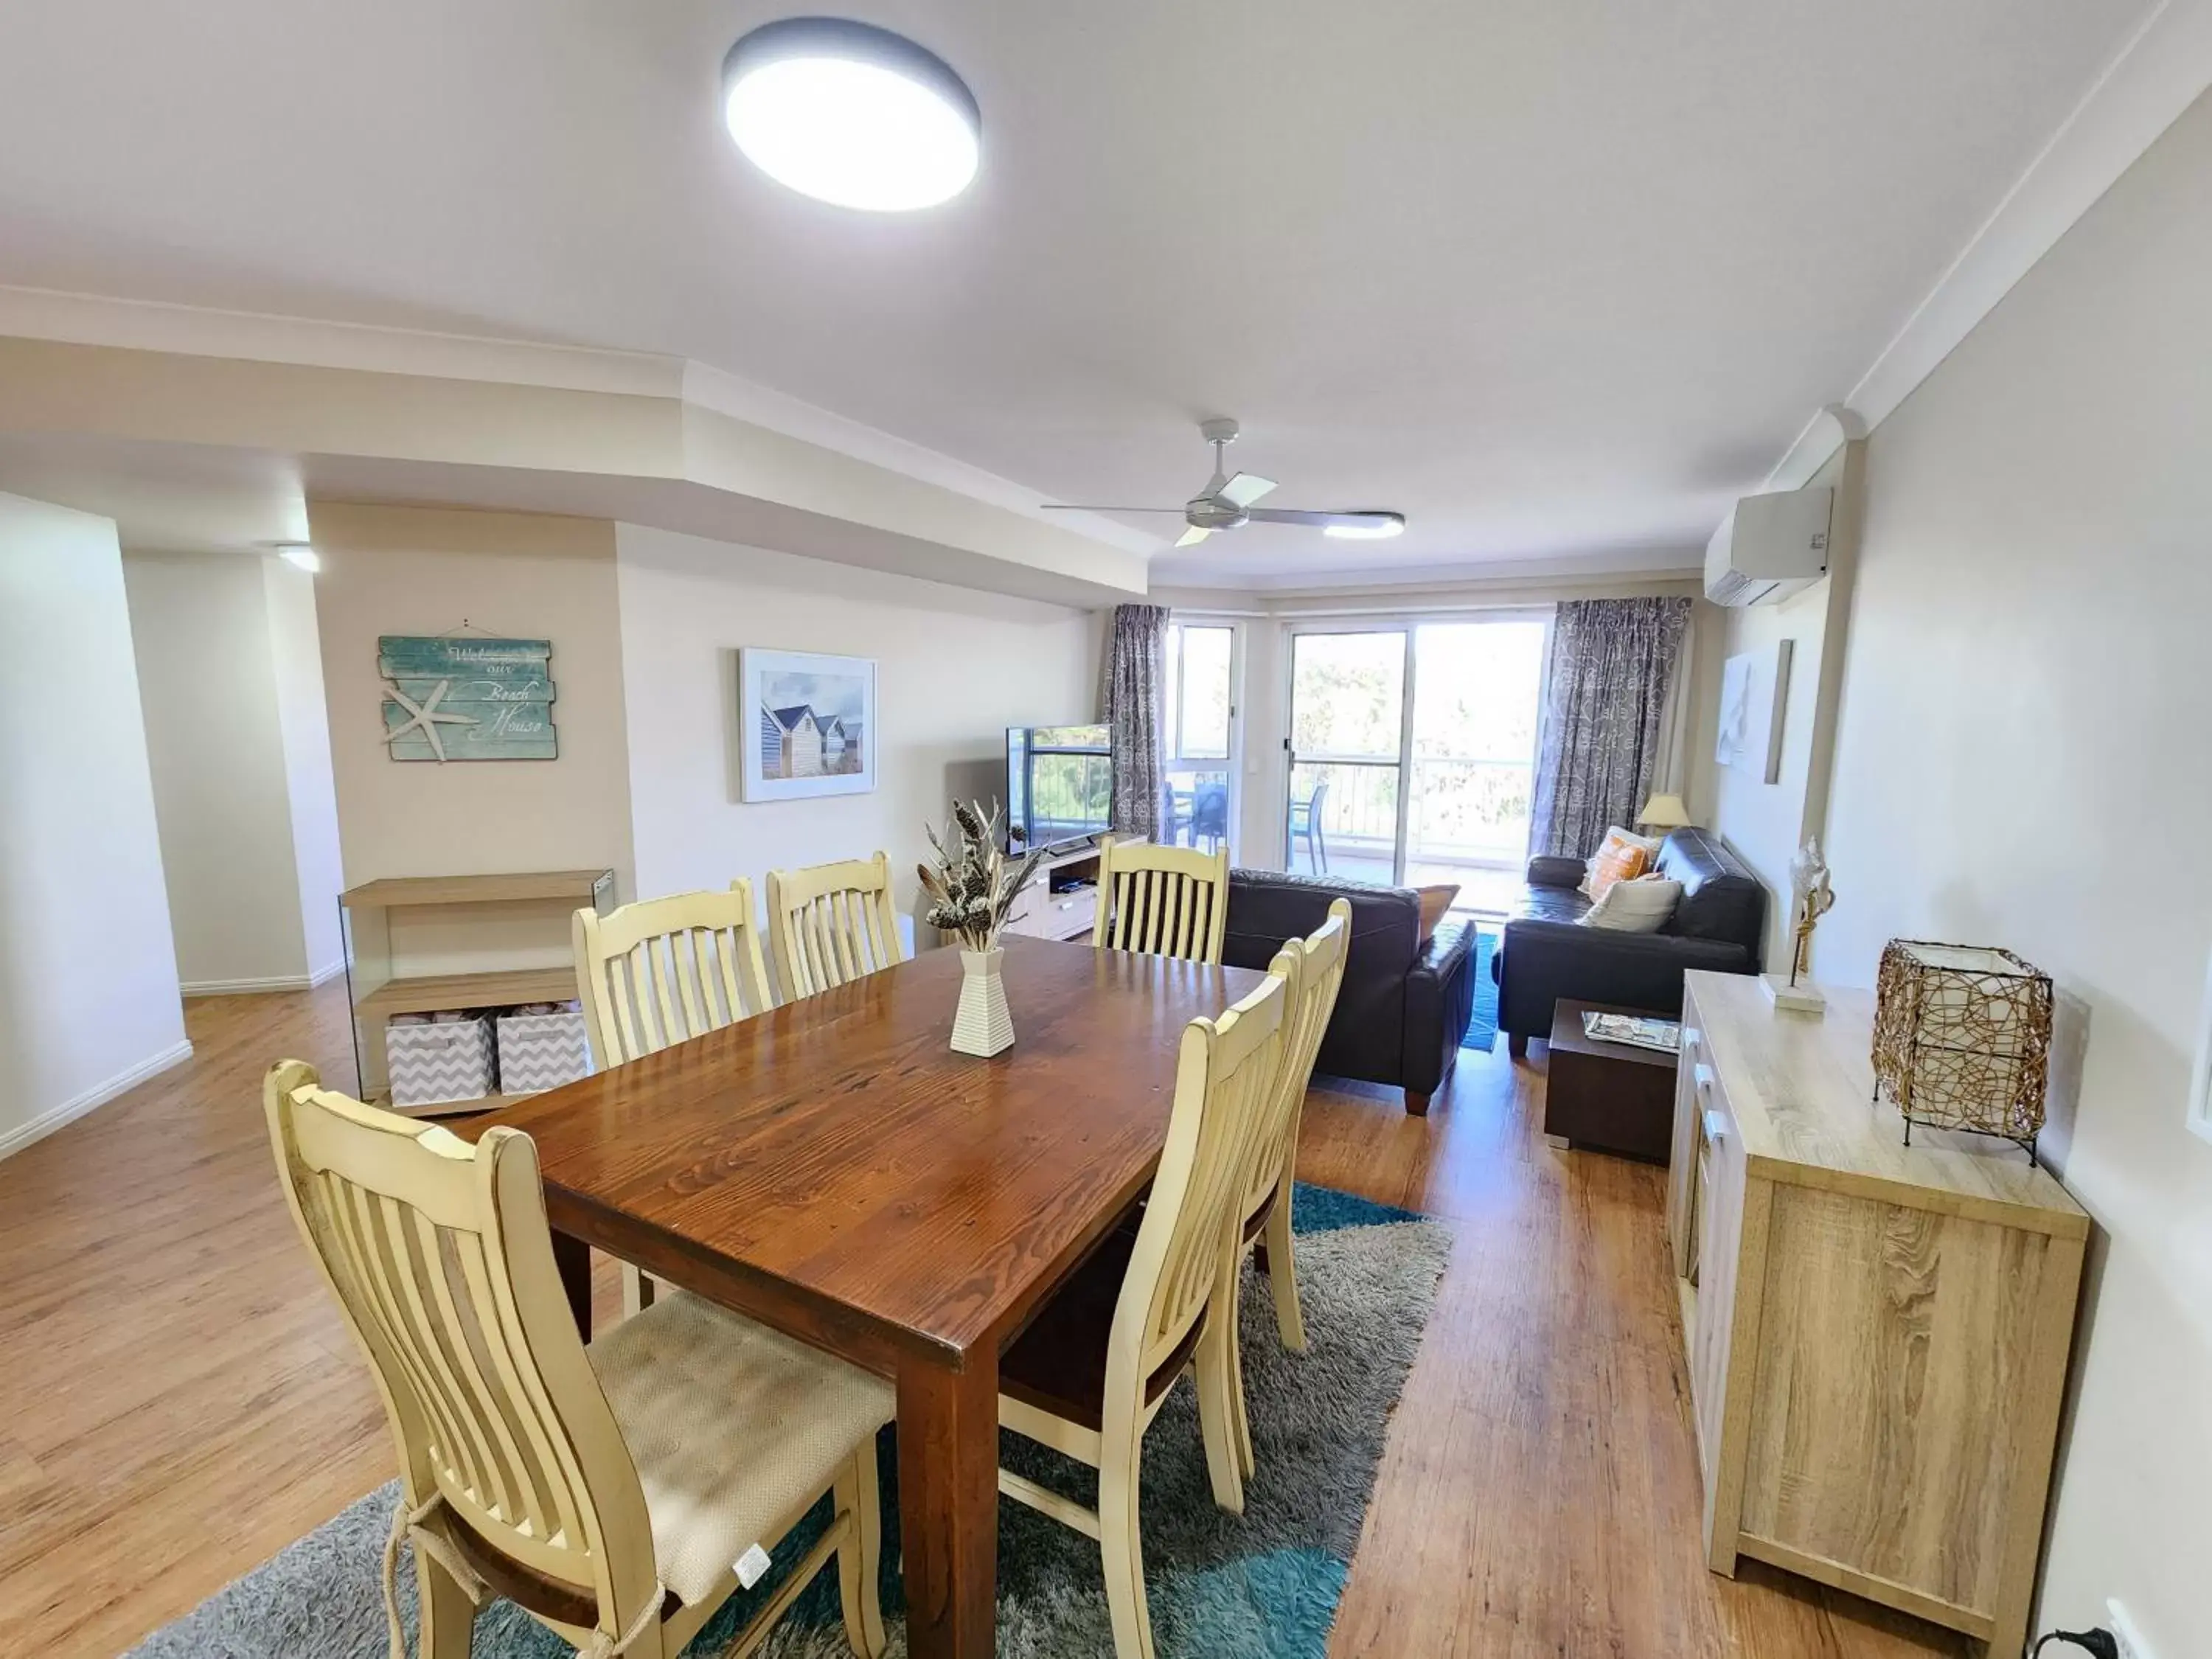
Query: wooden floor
{"x":178,"y":1400}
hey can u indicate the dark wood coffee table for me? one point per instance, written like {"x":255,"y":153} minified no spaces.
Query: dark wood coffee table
{"x":1613,"y":1097}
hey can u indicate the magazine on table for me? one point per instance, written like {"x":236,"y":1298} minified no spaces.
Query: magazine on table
{"x":1663,"y":1035}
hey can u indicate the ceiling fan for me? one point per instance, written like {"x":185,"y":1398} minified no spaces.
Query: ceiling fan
{"x":1225,"y":503}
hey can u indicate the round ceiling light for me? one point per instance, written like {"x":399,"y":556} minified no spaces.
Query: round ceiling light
{"x":852,"y":114}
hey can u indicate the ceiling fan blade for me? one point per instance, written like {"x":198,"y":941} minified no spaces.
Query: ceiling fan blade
{"x":1245,"y":488}
{"x":1071,"y":507}
{"x":1358,"y":524}
{"x":1192,"y":537}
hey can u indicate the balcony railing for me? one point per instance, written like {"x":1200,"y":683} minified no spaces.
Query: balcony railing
{"x":1466,"y":809}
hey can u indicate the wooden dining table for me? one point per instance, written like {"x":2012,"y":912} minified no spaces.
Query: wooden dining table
{"x":831,"y":1169}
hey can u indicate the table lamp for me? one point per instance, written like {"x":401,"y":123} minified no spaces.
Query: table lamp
{"x":1664,"y":812}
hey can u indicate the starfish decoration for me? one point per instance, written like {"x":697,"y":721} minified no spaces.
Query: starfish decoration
{"x":424,"y":716}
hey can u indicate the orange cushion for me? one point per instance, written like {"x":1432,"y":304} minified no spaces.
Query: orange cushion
{"x":1435,"y":901}
{"x":1621,"y":859}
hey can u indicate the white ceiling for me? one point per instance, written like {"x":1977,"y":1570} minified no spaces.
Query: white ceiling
{"x":1557,"y":280}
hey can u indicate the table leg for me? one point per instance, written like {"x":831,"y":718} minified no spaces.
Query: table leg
{"x":948,"y":1439}
{"x":572,"y":1258}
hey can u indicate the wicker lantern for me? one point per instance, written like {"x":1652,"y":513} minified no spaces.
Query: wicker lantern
{"x":1962,"y":1038}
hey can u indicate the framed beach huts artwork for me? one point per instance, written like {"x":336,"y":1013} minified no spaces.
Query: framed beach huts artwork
{"x":808,"y":723}
{"x":467,"y":697}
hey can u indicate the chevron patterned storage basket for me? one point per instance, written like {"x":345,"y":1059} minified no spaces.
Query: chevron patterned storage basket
{"x":542,"y":1050}
{"x":434,"y":1060}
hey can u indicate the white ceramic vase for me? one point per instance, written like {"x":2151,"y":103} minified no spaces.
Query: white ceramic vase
{"x":983,"y":1027}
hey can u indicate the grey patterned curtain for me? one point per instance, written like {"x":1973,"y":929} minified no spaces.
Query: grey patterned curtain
{"x":1136,"y":675}
{"x":1612,"y":660}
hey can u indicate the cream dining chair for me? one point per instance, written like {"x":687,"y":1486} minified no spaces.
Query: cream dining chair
{"x":662,"y":971}
{"x":1163,"y":901}
{"x":831,"y":923}
{"x":1312,"y":972}
{"x":1093,"y":1369}
{"x":607,"y":1491}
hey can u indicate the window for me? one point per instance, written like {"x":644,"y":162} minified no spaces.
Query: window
{"x":1200,"y":714}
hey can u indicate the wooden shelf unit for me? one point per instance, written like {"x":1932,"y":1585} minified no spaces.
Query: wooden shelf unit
{"x":378,"y":991}
{"x":494,"y":988}
{"x":389,"y":892}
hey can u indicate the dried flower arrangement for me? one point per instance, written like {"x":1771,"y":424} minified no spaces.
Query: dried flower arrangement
{"x":970,"y":887}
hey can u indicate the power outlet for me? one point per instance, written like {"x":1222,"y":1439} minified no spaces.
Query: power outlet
{"x":2132,"y":1646}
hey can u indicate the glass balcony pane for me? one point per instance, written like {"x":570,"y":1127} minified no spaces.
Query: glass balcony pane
{"x":1347,"y":694}
{"x":1196,"y":810}
{"x":1344,"y":820}
{"x":1205,"y":693}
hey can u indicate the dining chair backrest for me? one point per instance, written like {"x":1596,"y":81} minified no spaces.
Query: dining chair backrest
{"x":1164,"y":901}
{"x":1224,"y":1076}
{"x":441,"y":1261}
{"x":831,"y":923}
{"x":663,"y":970}
{"x":1312,"y":970}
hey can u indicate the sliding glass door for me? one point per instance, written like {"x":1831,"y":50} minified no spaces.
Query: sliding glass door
{"x":1478,"y":688}
{"x":1412,"y":750}
{"x":1348,"y":753}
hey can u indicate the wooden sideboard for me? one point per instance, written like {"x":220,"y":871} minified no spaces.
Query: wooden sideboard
{"x":1877,"y":1333}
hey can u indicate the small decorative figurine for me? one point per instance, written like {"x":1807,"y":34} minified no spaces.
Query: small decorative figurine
{"x":1811,"y":898}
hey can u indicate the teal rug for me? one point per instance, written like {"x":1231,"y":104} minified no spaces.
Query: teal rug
{"x":1264,"y":1586}
{"x":1482,"y":1029}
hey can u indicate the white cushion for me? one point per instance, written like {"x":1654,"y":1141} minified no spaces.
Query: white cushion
{"x":1641,"y":906}
{"x":731,"y":1425}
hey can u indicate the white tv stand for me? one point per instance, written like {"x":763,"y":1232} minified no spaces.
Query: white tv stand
{"x":1061,"y":899}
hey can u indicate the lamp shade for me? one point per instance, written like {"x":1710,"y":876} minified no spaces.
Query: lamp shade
{"x":1664,"y":812}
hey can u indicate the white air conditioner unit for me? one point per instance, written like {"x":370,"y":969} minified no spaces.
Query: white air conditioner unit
{"x":1769,"y":547}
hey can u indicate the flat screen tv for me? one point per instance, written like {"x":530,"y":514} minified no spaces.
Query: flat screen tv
{"x":1060,"y":785}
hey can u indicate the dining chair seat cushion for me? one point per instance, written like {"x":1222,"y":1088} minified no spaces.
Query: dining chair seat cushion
{"x":1059,"y":1363}
{"x":731,"y":1425}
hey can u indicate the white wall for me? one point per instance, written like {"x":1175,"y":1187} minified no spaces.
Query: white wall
{"x":954,"y":668}
{"x":2022,"y":760}
{"x":207,"y":655}
{"x":87,"y":972}
{"x":303,"y":720}
{"x":426,"y":570}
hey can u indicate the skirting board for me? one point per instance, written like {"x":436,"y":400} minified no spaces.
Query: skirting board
{"x":69,"y":1111}
{"x":238,"y":988}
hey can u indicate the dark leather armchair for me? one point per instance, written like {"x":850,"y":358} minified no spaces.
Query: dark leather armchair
{"x":1546,"y":954}
{"x":1405,"y":1005}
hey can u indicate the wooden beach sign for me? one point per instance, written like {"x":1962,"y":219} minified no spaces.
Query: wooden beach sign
{"x":456,"y":698}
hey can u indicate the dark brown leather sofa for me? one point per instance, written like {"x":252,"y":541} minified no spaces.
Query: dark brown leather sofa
{"x":1546,"y":954}
{"x":1405,"y":1005}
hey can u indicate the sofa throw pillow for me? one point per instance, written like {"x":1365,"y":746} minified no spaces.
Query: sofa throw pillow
{"x":1434,"y":901}
{"x":1622,"y":856}
{"x":1643,"y":904}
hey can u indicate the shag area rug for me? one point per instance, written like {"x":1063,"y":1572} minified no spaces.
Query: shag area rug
{"x":1264,"y":1586}
{"x":1482,"y":1029}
